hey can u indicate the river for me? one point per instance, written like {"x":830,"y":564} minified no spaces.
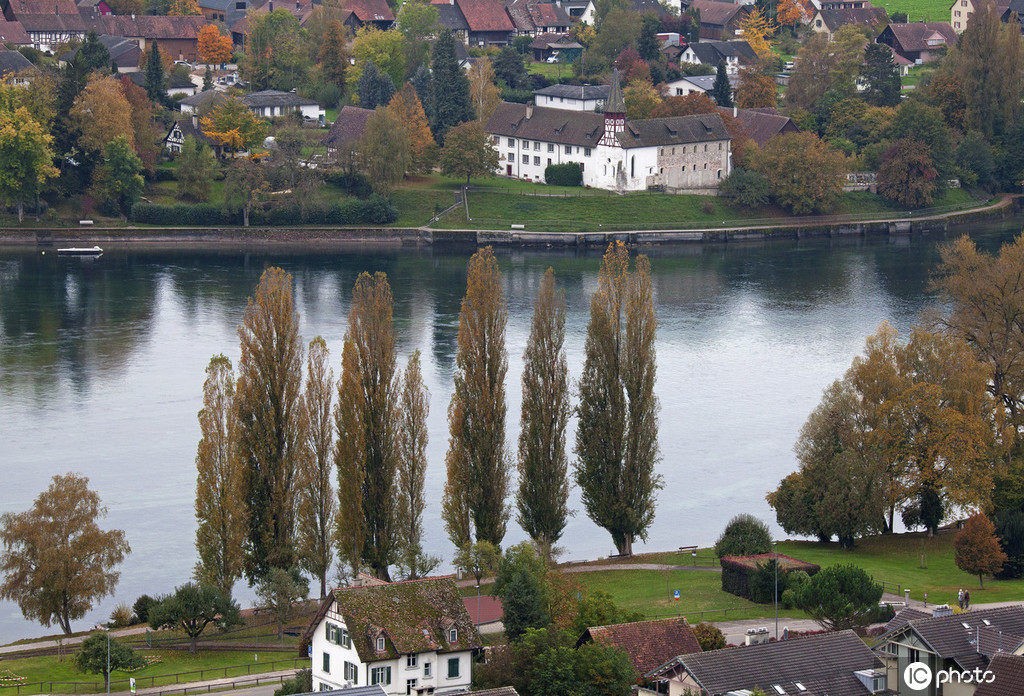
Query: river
{"x":101,"y":369}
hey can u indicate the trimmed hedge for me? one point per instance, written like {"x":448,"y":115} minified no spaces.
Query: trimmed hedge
{"x":373,"y":211}
{"x":194,"y":215}
{"x":568,"y":174}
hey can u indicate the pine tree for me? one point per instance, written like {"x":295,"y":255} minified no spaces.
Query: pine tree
{"x":412,"y":469}
{"x":884,"y":87}
{"x":478,"y":467}
{"x":207,"y":79}
{"x":543,"y":467}
{"x":369,"y":435}
{"x":617,"y":437}
{"x":421,"y":83}
{"x":268,"y":400}
{"x":721,"y":91}
{"x":375,"y":88}
{"x":449,"y":87}
{"x":220,"y":502}
{"x":155,"y":81}
{"x":316,"y":499}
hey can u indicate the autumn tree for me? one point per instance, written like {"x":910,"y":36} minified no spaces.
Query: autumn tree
{"x":919,"y":121}
{"x":197,"y":166}
{"x":316,"y":502}
{"x":184,"y":8}
{"x":101,"y":654}
{"x":542,"y":498}
{"x":101,"y":113}
{"x":214,"y":48}
{"x":408,"y":109}
{"x":244,"y":184}
{"x":479,"y":559}
{"x":757,"y":30}
{"x":468,"y":152}
{"x":56,"y":561}
{"x":474,"y":505}
{"x":278,"y":592}
{"x":276,"y":56}
{"x":617,"y":436}
{"x":789,"y":13}
{"x":231,"y":125}
{"x":907,"y":176}
{"x":384,"y":150}
{"x":333,"y":54}
{"x":641,"y":98}
{"x":269,"y":411}
{"x":414,"y":407}
{"x":117,"y":181}
{"x":418,"y":23}
{"x":826,"y":64}
{"x":976,"y":548}
{"x":221,"y":513}
{"x":192,"y":607}
{"x":26,"y":157}
{"x":383,"y":49}
{"x":366,"y":421}
{"x":804,"y":172}
{"x":990,"y":70}
{"x":144,"y":128}
{"x":756,"y":87}
{"x":484,"y":95}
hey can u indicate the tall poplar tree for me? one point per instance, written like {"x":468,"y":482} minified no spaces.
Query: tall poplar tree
{"x":350,"y":526}
{"x":268,"y":399}
{"x":220,"y":492}
{"x":369,"y":382}
{"x":478,"y":467}
{"x":412,"y":468}
{"x":543,"y":494}
{"x":617,"y":437}
{"x":316,"y":498}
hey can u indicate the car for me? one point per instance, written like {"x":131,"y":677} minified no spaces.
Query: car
{"x":552,"y":58}
{"x":184,"y":62}
{"x":789,"y":66}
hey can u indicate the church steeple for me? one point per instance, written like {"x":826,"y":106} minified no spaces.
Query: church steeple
{"x":614,"y":112}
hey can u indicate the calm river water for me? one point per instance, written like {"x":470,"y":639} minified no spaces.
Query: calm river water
{"x":101,"y":369}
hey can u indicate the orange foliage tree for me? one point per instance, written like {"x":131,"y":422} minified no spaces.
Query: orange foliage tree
{"x":214,"y":48}
{"x":406,"y":106}
{"x":976,"y":549}
{"x":183,"y":8}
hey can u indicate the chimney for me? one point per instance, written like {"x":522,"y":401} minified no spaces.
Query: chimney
{"x":735,"y":111}
{"x":298,"y":5}
{"x":195,"y":119}
{"x":529,"y":111}
{"x":271,"y":6}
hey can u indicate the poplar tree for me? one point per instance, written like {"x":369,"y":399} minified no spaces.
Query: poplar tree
{"x":617,"y":437}
{"x":543,"y":466}
{"x":412,"y":468}
{"x":350,"y":527}
{"x":370,"y":386}
{"x":220,"y":493}
{"x":268,"y":399}
{"x":316,"y":499}
{"x":478,"y":468}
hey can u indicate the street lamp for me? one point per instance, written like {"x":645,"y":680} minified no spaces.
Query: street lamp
{"x":775,"y":546}
{"x":478,"y":603}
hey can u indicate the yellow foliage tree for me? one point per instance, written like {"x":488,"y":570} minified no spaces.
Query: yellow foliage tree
{"x":232,"y":126}
{"x":482,"y":92}
{"x":757,"y":30}
{"x":423,"y":151}
{"x":641,"y":99}
{"x":214,"y":48}
{"x":183,"y":8}
{"x":789,"y":13}
{"x":101,"y":113}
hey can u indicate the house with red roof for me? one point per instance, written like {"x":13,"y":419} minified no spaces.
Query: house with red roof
{"x":177,"y":37}
{"x":488,"y":21}
{"x":919,"y":41}
{"x":372,"y":12}
{"x":719,"y":20}
{"x":649,"y":644}
{"x":47,"y":23}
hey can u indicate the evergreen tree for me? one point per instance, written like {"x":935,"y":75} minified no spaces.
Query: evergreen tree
{"x":543,"y":467}
{"x":647,"y":44}
{"x":617,"y":437}
{"x":207,"y":79}
{"x":478,"y":467}
{"x":884,"y":86}
{"x":156,"y":80}
{"x":93,"y":55}
{"x":375,"y":88}
{"x":421,"y":83}
{"x":509,"y":68}
{"x":449,"y":88}
{"x":268,"y":404}
{"x":721,"y":91}
{"x":369,"y":387}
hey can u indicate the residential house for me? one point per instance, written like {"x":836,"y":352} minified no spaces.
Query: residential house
{"x":227,"y":12}
{"x":185,"y":128}
{"x":579,"y":10}
{"x":485,"y":609}
{"x":827,"y":664}
{"x":843,"y":4}
{"x":761,"y":125}
{"x":202,"y":102}
{"x":370,"y":12}
{"x":687,"y":154}
{"x":411,"y":637}
{"x":649,"y":6}
{"x":649,"y":644}
{"x":719,"y":20}
{"x":270,"y":103}
{"x":92,"y":8}
{"x":178,"y":37}
{"x":16,"y":68}
{"x":561,"y":45}
{"x":961,"y":10}
{"x":919,"y":42}
{"x":535,"y":19}
{"x":489,"y":23}
{"x":945,"y":640}
{"x":830,"y":21}
{"x":732,"y":53}
{"x":346,"y":131}
{"x":125,"y":53}
{"x":572,"y":97}
{"x":13,"y":34}
{"x":48,"y":23}
{"x":450,"y":16}
{"x":175,"y":85}
{"x":1007,"y":676}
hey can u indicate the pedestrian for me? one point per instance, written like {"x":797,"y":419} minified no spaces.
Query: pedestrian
{"x":960,"y":599}
{"x":967,"y":600}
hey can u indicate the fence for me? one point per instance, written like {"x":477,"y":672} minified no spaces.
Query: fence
{"x":223,"y":686}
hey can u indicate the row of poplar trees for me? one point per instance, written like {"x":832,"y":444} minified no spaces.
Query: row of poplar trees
{"x":271,"y":442}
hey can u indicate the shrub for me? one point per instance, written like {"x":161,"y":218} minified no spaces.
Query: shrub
{"x":164,"y":175}
{"x":329,"y":95}
{"x":745,"y":535}
{"x":121,"y":616}
{"x":141,"y":608}
{"x":353,"y":184}
{"x":840,"y":597}
{"x":202,"y":214}
{"x":301,"y":683}
{"x":749,"y":189}
{"x":763,"y":582}
{"x":568,"y":174}
{"x":707,"y":207}
{"x":709,"y":636}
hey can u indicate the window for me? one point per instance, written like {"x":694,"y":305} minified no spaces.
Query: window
{"x":410,"y":684}
{"x":568,"y":149}
{"x":511,"y":157}
{"x":345,"y":640}
{"x":719,"y":147}
{"x":705,"y":147}
{"x":327,"y":663}
{"x":705,"y":165}
{"x":453,"y":668}
{"x":586,"y":152}
{"x":381,"y":644}
{"x":536,"y":145}
{"x":549,"y":161}
{"x":511,"y":142}
{"x":426,"y":669}
{"x":551,"y":147}
{"x":453,"y":636}
{"x":351,"y":673}
{"x":536,"y":161}
{"x":719,"y":173}
{"x":526,"y":144}
{"x":410,"y":661}
{"x":380,"y":675}
{"x":817,"y":23}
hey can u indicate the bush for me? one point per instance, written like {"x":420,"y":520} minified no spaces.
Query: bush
{"x":353,"y":184}
{"x":164,"y":175}
{"x":709,"y":636}
{"x":763,"y":582}
{"x":121,"y":616}
{"x":840,"y":597}
{"x":749,"y":189}
{"x":745,"y":535}
{"x":202,"y":214}
{"x":568,"y":174}
{"x":141,"y":608}
{"x":329,"y":95}
{"x":301,"y":683}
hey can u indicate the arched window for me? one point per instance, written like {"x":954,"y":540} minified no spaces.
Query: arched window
{"x":632,"y":166}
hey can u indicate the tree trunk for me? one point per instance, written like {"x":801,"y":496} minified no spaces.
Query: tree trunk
{"x":21,"y":210}
{"x":323,"y":585}
{"x":192,"y":644}
{"x":626,"y":547}
{"x":245,"y":216}
{"x":981,"y":581}
{"x":892,"y":516}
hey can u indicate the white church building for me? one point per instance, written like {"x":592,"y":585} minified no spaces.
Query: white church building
{"x":679,"y":154}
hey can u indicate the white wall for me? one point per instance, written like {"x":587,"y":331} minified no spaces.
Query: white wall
{"x":568,"y":103}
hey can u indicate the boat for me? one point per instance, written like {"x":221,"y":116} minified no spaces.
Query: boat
{"x":80,"y":251}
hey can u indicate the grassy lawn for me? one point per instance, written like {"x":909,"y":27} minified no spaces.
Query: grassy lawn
{"x":552,"y":71}
{"x":866,"y":203}
{"x":928,"y":10}
{"x":916,"y":73}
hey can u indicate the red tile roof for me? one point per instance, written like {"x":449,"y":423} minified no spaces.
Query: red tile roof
{"x":369,"y":10}
{"x":1009,"y":676}
{"x":716,"y":13}
{"x":491,"y":609}
{"x":151,"y":27}
{"x":43,"y":7}
{"x":549,"y":15}
{"x":485,"y":15}
{"x":13,"y":32}
{"x":914,"y":36}
{"x":649,"y":644}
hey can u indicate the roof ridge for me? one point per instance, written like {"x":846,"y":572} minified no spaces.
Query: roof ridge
{"x":678,"y":619}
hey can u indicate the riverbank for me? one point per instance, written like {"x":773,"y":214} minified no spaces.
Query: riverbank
{"x":1005,"y":208}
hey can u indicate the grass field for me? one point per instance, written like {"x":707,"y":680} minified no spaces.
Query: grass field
{"x":928,"y":10}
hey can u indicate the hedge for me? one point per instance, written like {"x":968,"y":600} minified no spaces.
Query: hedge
{"x":373,"y":211}
{"x":737,"y":572}
{"x":568,"y":174}
{"x":193,"y":215}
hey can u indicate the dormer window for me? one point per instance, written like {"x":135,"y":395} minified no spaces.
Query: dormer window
{"x":453,"y":636}
{"x":381,"y":644}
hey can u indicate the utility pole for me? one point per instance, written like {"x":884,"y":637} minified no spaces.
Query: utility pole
{"x":775,"y":545}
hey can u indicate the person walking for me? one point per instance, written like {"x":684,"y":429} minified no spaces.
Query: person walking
{"x":960,"y":599}
{"x":967,"y":600}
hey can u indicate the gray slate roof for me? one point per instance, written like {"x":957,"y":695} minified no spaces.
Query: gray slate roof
{"x":957,"y":636}
{"x":117,"y":47}
{"x":1009,"y":676}
{"x":199,"y":99}
{"x":451,"y":17}
{"x":904,"y":616}
{"x":713,"y":52}
{"x":172,"y":82}
{"x":581,"y":128}
{"x":585,"y":92}
{"x":272,"y":97}
{"x":14,"y":62}
{"x":675,"y":130}
{"x":348,"y":127}
{"x":825,"y":661}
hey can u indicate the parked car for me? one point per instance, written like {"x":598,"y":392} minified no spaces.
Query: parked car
{"x":553,"y":58}
{"x":788,"y":67}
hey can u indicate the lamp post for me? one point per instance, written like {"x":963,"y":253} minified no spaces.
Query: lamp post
{"x":775,"y":546}
{"x":477,"y":604}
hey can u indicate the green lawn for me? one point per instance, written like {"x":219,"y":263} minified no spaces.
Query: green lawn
{"x":928,"y":10}
{"x":552,"y":71}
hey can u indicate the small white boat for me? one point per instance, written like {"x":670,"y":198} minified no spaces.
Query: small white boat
{"x":80,"y":251}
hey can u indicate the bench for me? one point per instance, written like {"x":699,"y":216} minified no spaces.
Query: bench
{"x":85,"y":222}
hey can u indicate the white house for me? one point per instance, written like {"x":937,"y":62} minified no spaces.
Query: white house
{"x":681,"y":154}
{"x":732,"y":53}
{"x":572,"y":97}
{"x":270,"y":103}
{"x":411,"y":637}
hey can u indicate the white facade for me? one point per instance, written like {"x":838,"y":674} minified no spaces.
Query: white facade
{"x":732,"y":63}
{"x":684,"y":86}
{"x":520,"y":158}
{"x":336,"y":663}
{"x":310,"y":111}
{"x":568,"y":103}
